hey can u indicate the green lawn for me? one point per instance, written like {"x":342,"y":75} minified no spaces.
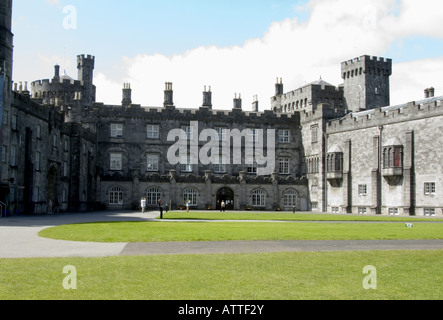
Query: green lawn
{"x":287,"y":216}
{"x":224,"y":231}
{"x":401,"y":275}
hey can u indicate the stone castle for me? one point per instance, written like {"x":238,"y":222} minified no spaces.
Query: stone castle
{"x":338,"y":149}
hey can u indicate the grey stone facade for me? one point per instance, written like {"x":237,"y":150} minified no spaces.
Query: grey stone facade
{"x":337,"y":149}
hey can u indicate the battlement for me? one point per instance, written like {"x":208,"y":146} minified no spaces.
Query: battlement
{"x":366,"y":64}
{"x":83,"y":57}
{"x":414,"y":110}
{"x":44,"y":82}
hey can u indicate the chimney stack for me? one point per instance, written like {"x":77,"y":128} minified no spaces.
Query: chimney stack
{"x":237,"y":101}
{"x":127,"y":95}
{"x":168,"y":94}
{"x":207,"y":98}
{"x":255,"y":104}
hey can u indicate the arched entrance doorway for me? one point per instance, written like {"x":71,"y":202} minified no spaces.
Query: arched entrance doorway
{"x":226,"y":195}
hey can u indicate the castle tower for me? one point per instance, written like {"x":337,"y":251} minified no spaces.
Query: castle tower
{"x":366,"y":82}
{"x":85,"y":66}
{"x":237,"y":102}
{"x":6,"y":53}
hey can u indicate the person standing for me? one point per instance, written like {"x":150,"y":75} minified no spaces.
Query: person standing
{"x":188,"y":203}
{"x":222,"y":206}
{"x":160,"y":208}
{"x":143,"y":204}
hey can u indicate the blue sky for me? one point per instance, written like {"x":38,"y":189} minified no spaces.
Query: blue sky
{"x":235,"y":46}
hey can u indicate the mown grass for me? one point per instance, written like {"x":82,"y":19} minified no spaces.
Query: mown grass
{"x":288,"y":216}
{"x":226,"y":231}
{"x":401,"y":275}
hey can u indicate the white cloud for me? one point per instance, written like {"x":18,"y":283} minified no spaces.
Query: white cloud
{"x":299,"y":52}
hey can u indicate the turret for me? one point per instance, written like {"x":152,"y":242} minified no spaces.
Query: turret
{"x":237,"y":101}
{"x":366,"y":82}
{"x":85,"y":66}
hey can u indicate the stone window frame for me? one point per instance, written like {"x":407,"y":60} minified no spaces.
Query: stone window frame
{"x":152,"y":166}
{"x":284,"y":165}
{"x":362,"y":189}
{"x":153,"y":131}
{"x":116,"y":196}
{"x":115,"y":164}
{"x":153,"y":194}
{"x":190,"y":194}
{"x":429,"y":188}
{"x":115,"y":129}
{"x":290,"y":198}
{"x":258,"y":198}
{"x":284,"y":136}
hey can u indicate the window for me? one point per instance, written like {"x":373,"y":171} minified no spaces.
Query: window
{"x":335,"y":162}
{"x":393,"y":211}
{"x":37,"y":161}
{"x":153,"y":131}
{"x":191,"y":195}
{"x":54,"y":141}
{"x":221,"y":134}
{"x":65,"y":169}
{"x":252,"y":135}
{"x":220,"y":167}
{"x":429,"y":212}
{"x":283,"y":136}
{"x":362,"y":190}
{"x":66,"y":145}
{"x":314,"y":206}
{"x":5,"y":117}
{"x":12,"y":156}
{"x":4,"y":153}
{"x":361,"y":210}
{"x":258,"y":198}
{"x":251,"y":167}
{"x":116,"y":130}
{"x":429,"y":187}
{"x":153,"y":195}
{"x":393,"y":157}
{"x":189,"y":132}
{"x":115,"y":196}
{"x":14,"y":122}
{"x":290,"y":198}
{"x":335,"y":209}
{"x":314,"y":134}
{"x":152,"y":163}
{"x":186,"y":167}
{"x":64,"y":197}
{"x":39,"y":131}
{"x":116,"y":161}
{"x":283,"y":166}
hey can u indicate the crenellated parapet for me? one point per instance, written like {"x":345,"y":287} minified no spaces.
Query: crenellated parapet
{"x":414,"y":110}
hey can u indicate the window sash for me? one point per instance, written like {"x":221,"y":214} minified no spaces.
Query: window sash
{"x":116,"y":160}
{"x":153,"y":131}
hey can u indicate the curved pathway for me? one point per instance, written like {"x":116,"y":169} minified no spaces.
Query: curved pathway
{"x":19,"y":239}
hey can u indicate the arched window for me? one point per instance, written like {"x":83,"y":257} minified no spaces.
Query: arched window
{"x":115,"y":196}
{"x":258,"y":198}
{"x":290,"y":198}
{"x":191,"y":195}
{"x":153,"y":195}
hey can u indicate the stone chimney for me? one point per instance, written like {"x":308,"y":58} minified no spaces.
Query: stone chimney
{"x":237,"y":101}
{"x":207,"y":98}
{"x":127,"y":95}
{"x":169,"y":94}
{"x":255,"y":104}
